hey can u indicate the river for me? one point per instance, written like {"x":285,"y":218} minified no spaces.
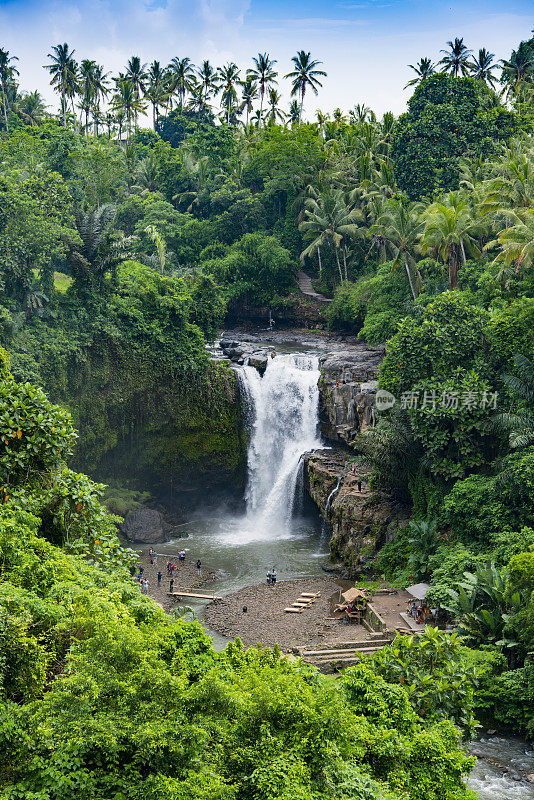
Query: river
{"x":277,"y":528}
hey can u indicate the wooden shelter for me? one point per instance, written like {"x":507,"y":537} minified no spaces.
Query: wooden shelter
{"x":353,"y":603}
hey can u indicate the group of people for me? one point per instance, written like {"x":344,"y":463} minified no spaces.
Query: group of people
{"x":172,"y":570}
{"x":423,"y":613}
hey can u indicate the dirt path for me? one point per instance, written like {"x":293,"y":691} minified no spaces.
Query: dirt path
{"x":305,"y":286}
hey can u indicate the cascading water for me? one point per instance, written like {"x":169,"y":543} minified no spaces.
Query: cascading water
{"x":283,"y":404}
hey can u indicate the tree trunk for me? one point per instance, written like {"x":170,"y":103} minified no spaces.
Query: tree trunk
{"x":4,"y":102}
{"x":261,"y":101}
{"x":453,"y":272}
{"x":409,"y":274}
{"x":338,"y":264}
{"x":462,"y":250}
{"x":320,"y":265}
{"x":345,"y":262}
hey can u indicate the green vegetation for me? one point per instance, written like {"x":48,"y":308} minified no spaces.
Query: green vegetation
{"x":122,"y":249}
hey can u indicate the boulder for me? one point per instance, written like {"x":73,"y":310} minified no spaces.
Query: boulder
{"x":259,"y":360}
{"x":144,"y":525}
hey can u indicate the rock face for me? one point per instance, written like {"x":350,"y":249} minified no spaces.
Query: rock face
{"x":144,"y":525}
{"x":347,"y":389}
{"x":360,"y":521}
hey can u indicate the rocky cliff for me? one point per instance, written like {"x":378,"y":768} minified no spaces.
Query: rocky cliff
{"x":360,"y":521}
{"x":347,"y":389}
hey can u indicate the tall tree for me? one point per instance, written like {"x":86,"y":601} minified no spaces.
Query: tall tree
{"x":31,"y":107}
{"x":329,"y":219}
{"x":181,"y":72}
{"x":7,"y":73}
{"x":423,"y":70}
{"x":249,"y":92}
{"x":156,"y":90}
{"x":86,"y":88}
{"x":264,"y":74}
{"x":455,"y":60}
{"x":63,"y":72}
{"x":207,"y":77}
{"x":518,"y":69}
{"x":450,"y":231}
{"x":483,"y":67}
{"x":399,"y":227}
{"x":228,"y":76}
{"x":125,"y":100}
{"x":304,"y":76}
{"x":275,"y":113}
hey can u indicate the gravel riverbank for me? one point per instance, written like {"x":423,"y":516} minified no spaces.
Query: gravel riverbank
{"x":265,"y":621}
{"x":185,"y":576}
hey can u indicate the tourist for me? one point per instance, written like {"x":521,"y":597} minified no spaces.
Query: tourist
{"x":171,"y":585}
{"x":199,"y":565}
{"x":359,"y":486}
{"x":273,"y":576}
{"x":151,"y":556}
{"x":168,"y":567}
{"x":159,"y":579}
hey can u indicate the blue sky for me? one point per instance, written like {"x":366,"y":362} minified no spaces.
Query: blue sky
{"x":365,"y":45}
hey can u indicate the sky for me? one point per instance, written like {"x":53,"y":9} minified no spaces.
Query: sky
{"x":365,"y":45}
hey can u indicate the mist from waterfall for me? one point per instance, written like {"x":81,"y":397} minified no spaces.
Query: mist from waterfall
{"x":283,"y":405}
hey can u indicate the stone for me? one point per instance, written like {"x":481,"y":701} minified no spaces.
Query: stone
{"x":144,"y":525}
{"x":258,"y":360}
{"x":360,"y":521}
{"x":530,"y":778}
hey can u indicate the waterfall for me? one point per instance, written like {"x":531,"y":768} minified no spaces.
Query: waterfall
{"x":283,"y":406}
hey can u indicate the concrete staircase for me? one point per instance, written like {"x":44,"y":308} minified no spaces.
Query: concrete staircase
{"x":334,"y":657}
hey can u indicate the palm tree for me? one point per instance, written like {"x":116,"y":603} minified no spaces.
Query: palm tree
{"x":264,"y":74}
{"x":305,"y":75}
{"x":519,"y":424}
{"x":456,"y":58}
{"x":229,"y":79}
{"x":519,"y":69}
{"x":63,"y":71}
{"x":249,"y":92}
{"x":516,"y":242}
{"x":126,"y":100}
{"x":198,"y":101}
{"x":7,"y":73}
{"x":181,"y":72}
{"x":87,"y":89}
{"x":136,"y":75}
{"x":207,"y":77}
{"x":398,"y":227}
{"x":449,"y":230}
{"x":155,"y":91}
{"x":329,"y":219}
{"x":31,"y":107}
{"x":482,"y":67}
{"x":100,"y":90}
{"x":275,"y":113}
{"x":294,"y":112}
{"x":423,"y":70}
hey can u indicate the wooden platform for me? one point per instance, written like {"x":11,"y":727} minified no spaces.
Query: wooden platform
{"x":302,"y":602}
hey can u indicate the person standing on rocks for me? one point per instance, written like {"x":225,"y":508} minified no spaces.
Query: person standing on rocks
{"x":171,"y":586}
{"x":159,"y":579}
{"x":199,"y":567}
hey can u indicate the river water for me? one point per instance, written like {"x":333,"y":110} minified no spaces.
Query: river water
{"x":277,"y":529}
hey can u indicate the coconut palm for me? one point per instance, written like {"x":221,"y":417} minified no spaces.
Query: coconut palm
{"x":63,"y":72}
{"x":181,"y":73}
{"x":304,"y":76}
{"x":518,"y":425}
{"x":198,"y":101}
{"x":516,"y":243}
{"x":456,"y":59}
{"x":293,"y":115}
{"x":126,"y":100}
{"x":275,"y":114}
{"x":249,"y":92}
{"x":518,"y":69}
{"x":396,"y":230}
{"x":330,"y":220}
{"x":228,"y":77}
{"x":156,"y":88}
{"x":136,"y":75}
{"x":86,"y":87}
{"x":264,"y":74}
{"x":207,"y":77}
{"x":31,"y":107}
{"x":7,"y":73}
{"x":449,"y":232}
{"x":423,"y":70}
{"x":483,"y":66}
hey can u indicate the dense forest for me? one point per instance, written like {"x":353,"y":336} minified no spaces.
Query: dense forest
{"x":123,"y":250}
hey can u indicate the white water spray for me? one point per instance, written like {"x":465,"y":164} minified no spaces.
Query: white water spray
{"x":284,"y":407}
